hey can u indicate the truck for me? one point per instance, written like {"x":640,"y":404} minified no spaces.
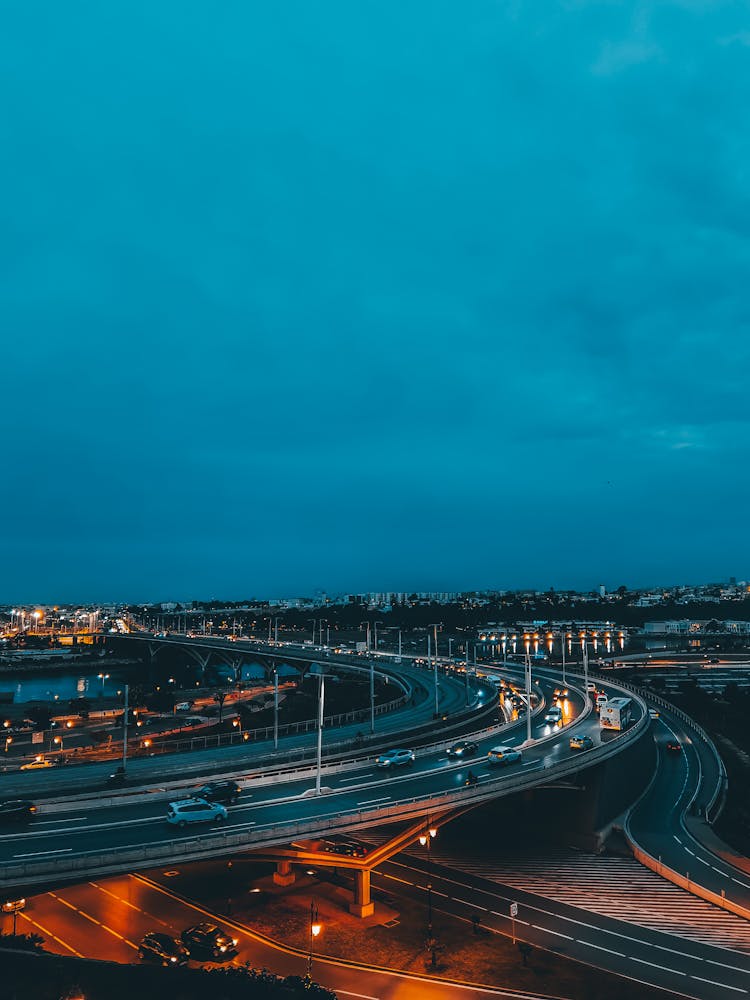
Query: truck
{"x":615,"y":714}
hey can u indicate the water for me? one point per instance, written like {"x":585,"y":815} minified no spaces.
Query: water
{"x":64,"y":686}
{"x":58,"y":687}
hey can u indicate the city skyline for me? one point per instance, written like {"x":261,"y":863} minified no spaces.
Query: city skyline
{"x":310,"y":307}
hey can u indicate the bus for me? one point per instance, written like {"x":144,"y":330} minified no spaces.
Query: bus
{"x":615,"y":714}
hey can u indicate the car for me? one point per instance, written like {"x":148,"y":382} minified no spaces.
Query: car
{"x":654,"y":713}
{"x":344,"y":846}
{"x":162,"y":948}
{"x":580,"y":742}
{"x":395,"y":758}
{"x":208,"y":940}
{"x":16,"y":811}
{"x":463,"y":749}
{"x":553,"y":716}
{"x":118,"y":779}
{"x":13,"y":905}
{"x":195,"y":811}
{"x":219,"y":791}
{"x":37,"y":764}
{"x":674,"y":746}
{"x":503,"y":755}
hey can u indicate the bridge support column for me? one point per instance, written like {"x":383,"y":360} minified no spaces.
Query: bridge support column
{"x":363,"y":905}
{"x":284,"y":874}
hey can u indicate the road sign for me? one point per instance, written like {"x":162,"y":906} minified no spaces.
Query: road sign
{"x":514,"y":909}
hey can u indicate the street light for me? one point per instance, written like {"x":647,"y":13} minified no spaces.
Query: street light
{"x":103,"y":678}
{"x":425,"y":840}
{"x":315,"y":928}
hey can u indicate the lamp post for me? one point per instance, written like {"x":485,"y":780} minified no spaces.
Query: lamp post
{"x":426,"y":841}
{"x":527,"y":672}
{"x":275,"y":708}
{"x":103,"y":678}
{"x":375,"y":625}
{"x":315,"y":929}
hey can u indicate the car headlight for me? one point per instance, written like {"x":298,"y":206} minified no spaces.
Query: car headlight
{"x":234,"y":941}
{"x":173,"y":958}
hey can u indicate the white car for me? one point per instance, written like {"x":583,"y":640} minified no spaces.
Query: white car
{"x":394,"y":758}
{"x":554,"y":715}
{"x":503,"y":755}
{"x":195,"y":811}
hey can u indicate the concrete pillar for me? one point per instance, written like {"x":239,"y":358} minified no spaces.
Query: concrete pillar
{"x":284,"y":874}
{"x":363,"y":905}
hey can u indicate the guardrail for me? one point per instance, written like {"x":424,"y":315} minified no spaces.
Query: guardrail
{"x":271,"y":834}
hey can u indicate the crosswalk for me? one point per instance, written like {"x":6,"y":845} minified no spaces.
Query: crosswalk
{"x":616,"y":887}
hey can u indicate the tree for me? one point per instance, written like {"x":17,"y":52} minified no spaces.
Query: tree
{"x":220,"y":697}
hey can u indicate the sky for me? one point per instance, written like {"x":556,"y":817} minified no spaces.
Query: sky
{"x":372,"y":296}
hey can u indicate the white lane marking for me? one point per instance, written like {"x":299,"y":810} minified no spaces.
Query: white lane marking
{"x":73,"y":819}
{"x":745,"y":884}
{"x":664,"y":968}
{"x":370,"y":802}
{"x":726,"y":986}
{"x":734,"y":968}
{"x":357,"y":777}
{"x":702,"y":861}
{"x":548,"y":930}
{"x":677,"y":839}
{"x":38,"y":854}
{"x":598,"y":947}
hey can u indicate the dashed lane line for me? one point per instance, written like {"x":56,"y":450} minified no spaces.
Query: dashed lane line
{"x":93,"y":920}
{"x":49,"y":934}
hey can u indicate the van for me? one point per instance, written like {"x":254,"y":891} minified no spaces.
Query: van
{"x":601,"y":699}
{"x":182,"y":706}
{"x":195,"y":811}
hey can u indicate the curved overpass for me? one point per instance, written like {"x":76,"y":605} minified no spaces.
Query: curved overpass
{"x":81,"y":839}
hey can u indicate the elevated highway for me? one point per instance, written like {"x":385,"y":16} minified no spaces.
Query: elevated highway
{"x":79,"y":839}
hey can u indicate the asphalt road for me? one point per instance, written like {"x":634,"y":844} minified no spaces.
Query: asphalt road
{"x":106,"y":919}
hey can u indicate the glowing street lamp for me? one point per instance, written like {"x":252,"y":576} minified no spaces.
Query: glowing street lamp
{"x":103,"y":678}
{"x":315,"y":928}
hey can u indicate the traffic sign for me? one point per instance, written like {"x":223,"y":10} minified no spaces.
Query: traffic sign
{"x":514,"y":909}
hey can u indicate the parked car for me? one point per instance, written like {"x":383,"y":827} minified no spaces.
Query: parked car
{"x":219,"y":791}
{"x":16,"y":811}
{"x":206,"y":940}
{"x":195,"y":811}
{"x":162,"y":948}
{"x":580,"y":742}
{"x":463,"y":749}
{"x":503,"y":755}
{"x":395,"y":758}
{"x":37,"y":764}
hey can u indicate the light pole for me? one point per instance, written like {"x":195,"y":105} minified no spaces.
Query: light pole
{"x":103,"y":678}
{"x":315,"y":929}
{"x":375,"y":624}
{"x":434,"y":670}
{"x":399,"y":644}
{"x":321,"y":702}
{"x":426,"y":841}
{"x":372,"y":696}
{"x":527,"y":672}
{"x":275,"y":708}
{"x":125,"y":732}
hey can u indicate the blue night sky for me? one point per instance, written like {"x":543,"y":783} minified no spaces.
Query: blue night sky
{"x":406,"y":294}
